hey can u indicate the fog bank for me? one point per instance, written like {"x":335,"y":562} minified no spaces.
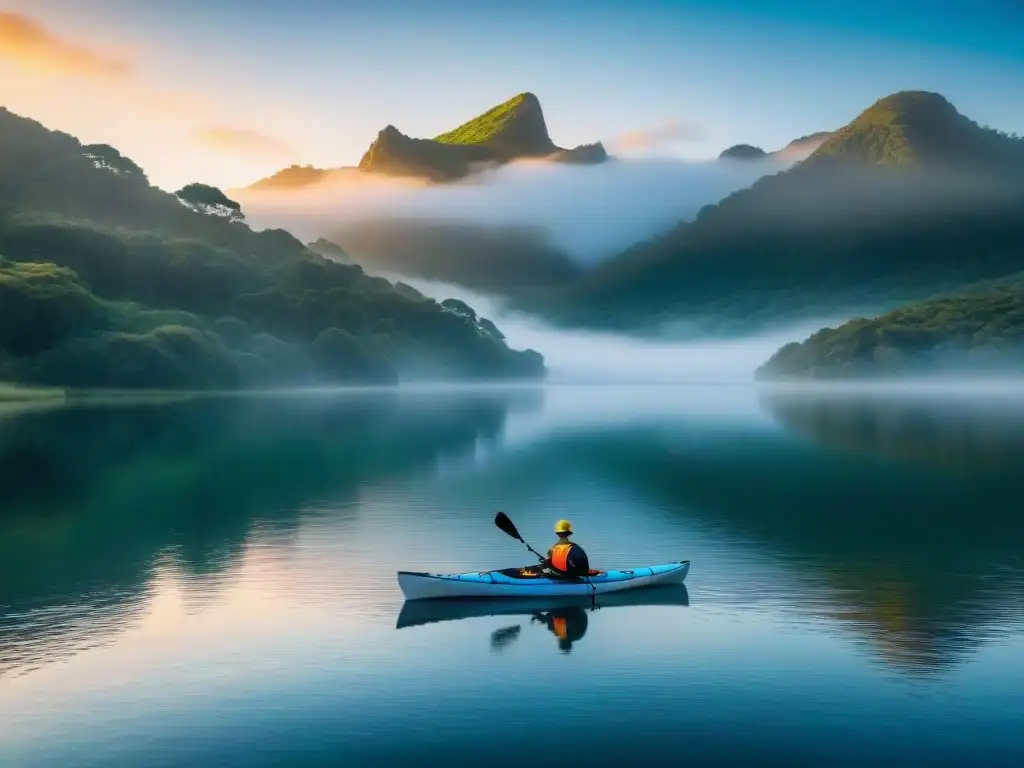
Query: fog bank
{"x":591,"y":212}
{"x":592,"y":357}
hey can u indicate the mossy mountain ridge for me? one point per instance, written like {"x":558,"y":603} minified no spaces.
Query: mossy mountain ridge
{"x":918,"y":129}
{"x":515,"y":127}
{"x":796,"y":150}
{"x":513,"y":130}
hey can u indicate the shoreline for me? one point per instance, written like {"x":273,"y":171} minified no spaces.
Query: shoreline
{"x":13,"y":394}
{"x":16,"y":393}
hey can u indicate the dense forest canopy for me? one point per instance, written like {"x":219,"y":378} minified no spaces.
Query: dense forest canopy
{"x":977,"y":330}
{"x":202,"y":198}
{"x":107,"y":281}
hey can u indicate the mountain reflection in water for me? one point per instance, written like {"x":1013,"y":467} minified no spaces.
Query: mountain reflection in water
{"x":99,"y":501}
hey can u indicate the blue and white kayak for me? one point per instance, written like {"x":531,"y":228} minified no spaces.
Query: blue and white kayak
{"x":531,"y":582}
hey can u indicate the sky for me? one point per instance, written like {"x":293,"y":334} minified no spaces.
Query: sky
{"x":228,"y":92}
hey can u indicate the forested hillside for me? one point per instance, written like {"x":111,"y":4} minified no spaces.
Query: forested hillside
{"x":108,"y":281}
{"x":908,"y":200}
{"x":979,"y":330}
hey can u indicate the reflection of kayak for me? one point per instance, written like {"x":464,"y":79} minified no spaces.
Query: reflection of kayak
{"x":416,"y":612}
{"x":530,"y":582}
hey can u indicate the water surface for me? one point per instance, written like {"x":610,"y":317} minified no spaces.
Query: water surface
{"x":213,"y":582}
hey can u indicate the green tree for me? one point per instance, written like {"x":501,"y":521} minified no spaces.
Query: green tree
{"x":106,"y":157}
{"x":459,"y":308}
{"x":210,"y":201}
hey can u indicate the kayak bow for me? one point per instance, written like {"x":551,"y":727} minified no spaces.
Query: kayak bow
{"x":530,"y":582}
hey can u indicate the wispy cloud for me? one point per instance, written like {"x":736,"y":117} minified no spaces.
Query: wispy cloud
{"x":243,"y":141}
{"x":36,"y":50}
{"x":105,"y":94}
{"x":669,"y":132}
{"x":30,"y":45}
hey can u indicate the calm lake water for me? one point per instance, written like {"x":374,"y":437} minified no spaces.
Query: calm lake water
{"x":213,"y":582}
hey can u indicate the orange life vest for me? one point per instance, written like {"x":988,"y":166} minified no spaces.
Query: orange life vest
{"x":560,"y":556}
{"x":561,"y":629}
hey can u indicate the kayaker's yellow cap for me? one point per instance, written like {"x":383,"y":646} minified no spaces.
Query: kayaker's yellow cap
{"x":563,"y":526}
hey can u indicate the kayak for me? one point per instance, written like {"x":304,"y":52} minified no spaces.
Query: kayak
{"x":531,"y":582}
{"x":415,"y":613}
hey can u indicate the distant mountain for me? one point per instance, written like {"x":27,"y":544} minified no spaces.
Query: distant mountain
{"x":910,"y":199}
{"x":584,"y":154}
{"x":918,"y":129}
{"x":329,"y":250}
{"x":796,"y":150}
{"x":513,"y":130}
{"x":744,"y":152}
{"x":299,"y":176}
{"x":505,"y":260}
{"x":803,"y":147}
{"x":978,"y":330}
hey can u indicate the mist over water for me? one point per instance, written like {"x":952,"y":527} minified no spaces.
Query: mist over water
{"x":584,"y":357}
{"x":591,"y":212}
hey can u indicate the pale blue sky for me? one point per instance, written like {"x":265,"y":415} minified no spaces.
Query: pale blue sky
{"x":323,"y":77}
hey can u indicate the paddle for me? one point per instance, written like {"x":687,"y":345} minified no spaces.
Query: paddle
{"x":507,"y":526}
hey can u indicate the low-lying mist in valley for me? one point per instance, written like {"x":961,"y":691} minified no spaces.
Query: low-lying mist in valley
{"x":539,"y":222}
{"x":532,"y":227}
{"x":593,"y":357}
{"x":589,"y":212}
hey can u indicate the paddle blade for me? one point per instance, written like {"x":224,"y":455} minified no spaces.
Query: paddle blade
{"x":501,"y":520}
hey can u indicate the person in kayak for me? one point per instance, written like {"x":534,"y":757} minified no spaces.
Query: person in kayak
{"x":566,"y":558}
